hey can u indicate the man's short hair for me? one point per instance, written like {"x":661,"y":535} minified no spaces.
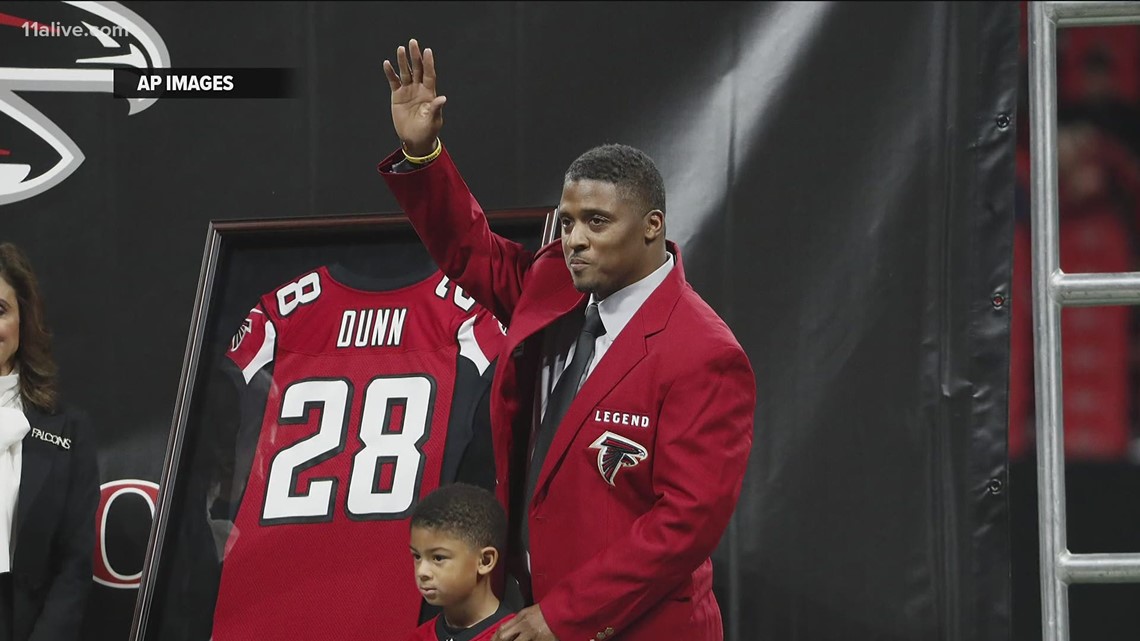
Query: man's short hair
{"x":627,"y":167}
{"x":464,"y":511}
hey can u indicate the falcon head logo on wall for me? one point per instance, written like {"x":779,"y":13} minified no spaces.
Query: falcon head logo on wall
{"x":61,"y":47}
{"x":616,"y":452}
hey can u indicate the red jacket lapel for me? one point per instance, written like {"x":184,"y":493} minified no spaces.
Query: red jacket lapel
{"x":626,"y":352}
{"x":554,"y":297}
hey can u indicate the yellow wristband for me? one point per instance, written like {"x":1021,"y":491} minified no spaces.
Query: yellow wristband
{"x":423,"y":160}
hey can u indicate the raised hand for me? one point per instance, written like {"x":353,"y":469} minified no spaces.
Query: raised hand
{"x":417,"y":112}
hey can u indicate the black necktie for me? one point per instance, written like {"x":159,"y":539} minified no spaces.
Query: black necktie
{"x":559,"y":402}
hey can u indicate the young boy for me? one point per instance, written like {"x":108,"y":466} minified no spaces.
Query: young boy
{"x":457,"y":532}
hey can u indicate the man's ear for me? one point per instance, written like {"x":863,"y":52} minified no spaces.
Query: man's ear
{"x":654,"y":225}
{"x":488,"y":559}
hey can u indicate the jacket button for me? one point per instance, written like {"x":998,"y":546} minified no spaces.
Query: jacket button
{"x":609,"y":631}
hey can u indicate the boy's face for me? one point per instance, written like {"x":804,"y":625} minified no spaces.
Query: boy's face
{"x":447,"y":567}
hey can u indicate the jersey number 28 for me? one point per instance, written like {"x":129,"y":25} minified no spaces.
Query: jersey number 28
{"x":398,"y":446}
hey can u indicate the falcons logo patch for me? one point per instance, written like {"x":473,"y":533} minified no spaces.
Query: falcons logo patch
{"x":616,"y":452}
{"x":246,"y":328}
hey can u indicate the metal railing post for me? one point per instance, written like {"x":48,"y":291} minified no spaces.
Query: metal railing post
{"x":1053,"y":289}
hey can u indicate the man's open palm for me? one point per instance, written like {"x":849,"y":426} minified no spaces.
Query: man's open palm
{"x":417,"y":112}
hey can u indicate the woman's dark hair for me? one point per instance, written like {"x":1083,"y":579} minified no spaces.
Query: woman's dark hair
{"x":33,"y":357}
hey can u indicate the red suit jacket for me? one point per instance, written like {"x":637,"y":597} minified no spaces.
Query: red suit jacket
{"x":646,"y":466}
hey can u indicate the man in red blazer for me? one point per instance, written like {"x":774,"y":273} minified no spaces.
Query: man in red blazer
{"x":621,"y":480}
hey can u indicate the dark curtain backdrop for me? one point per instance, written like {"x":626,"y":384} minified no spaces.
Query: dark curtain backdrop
{"x":839,"y":177}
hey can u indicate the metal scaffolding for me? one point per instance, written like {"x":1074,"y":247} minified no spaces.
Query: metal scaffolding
{"x":1053,"y":289}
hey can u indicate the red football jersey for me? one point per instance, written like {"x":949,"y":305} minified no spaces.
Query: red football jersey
{"x":353,"y":434}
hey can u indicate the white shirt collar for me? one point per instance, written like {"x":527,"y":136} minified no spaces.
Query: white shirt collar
{"x":619,"y":307}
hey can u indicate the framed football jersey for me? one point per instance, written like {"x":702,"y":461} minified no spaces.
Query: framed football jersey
{"x":333,"y":376}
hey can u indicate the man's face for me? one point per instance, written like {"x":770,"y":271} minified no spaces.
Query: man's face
{"x":446,"y":567}
{"x":9,"y":327}
{"x":606,"y":236}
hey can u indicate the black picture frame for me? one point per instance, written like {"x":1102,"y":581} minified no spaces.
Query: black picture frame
{"x":244,"y":259}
